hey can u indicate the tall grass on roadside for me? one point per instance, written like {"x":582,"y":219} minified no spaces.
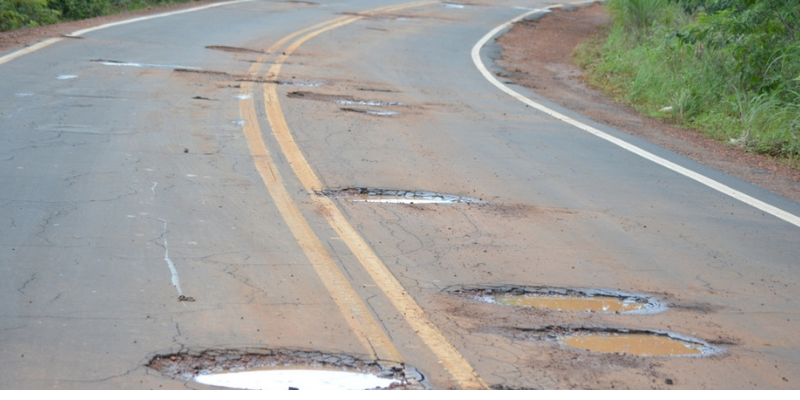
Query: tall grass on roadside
{"x":653,"y":59}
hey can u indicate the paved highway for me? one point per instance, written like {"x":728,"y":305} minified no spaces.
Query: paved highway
{"x":182,"y":184}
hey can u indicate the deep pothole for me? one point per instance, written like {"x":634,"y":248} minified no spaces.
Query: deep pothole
{"x":372,"y":195}
{"x":633,"y":342}
{"x":565,"y":299}
{"x":285,"y":370}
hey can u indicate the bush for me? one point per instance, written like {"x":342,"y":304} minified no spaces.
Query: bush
{"x":80,"y":9}
{"x":727,"y":67}
{"x":15,"y":14}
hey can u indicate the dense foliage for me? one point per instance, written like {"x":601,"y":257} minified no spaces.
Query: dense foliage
{"x":15,"y":14}
{"x":728,"y":67}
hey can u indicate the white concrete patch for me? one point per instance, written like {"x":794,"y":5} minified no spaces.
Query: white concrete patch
{"x":283,"y":379}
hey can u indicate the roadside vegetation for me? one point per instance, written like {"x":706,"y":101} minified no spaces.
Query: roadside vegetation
{"x":730,"y":68}
{"x":16,"y":14}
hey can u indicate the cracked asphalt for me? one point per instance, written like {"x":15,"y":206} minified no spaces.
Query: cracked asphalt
{"x":130,"y":188}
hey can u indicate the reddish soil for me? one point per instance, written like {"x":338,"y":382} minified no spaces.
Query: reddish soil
{"x":538,"y":55}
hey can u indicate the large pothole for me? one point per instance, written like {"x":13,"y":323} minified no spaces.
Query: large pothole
{"x":285,"y":370}
{"x":565,"y":299}
{"x":633,"y":342}
{"x":370,"y":195}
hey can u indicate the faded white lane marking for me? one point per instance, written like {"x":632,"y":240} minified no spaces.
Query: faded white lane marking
{"x":174,"y":271}
{"x":153,"y":188}
{"x":38,"y":46}
{"x":724,"y":189}
{"x":65,"y":77}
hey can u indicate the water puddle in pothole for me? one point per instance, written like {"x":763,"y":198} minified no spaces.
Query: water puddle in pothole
{"x":297,"y":379}
{"x":285,"y":370}
{"x":396,"y":196}
{"x":636,"y":344}
{"x":558,"y":303}
{"x":560,"y":299}
{"x":640,"y":343}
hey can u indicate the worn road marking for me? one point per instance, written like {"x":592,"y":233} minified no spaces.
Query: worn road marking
{"x":38,"y":46}
{"x":366,"y":329}
{"x":724,"y":189}
{"x":463,"y":373}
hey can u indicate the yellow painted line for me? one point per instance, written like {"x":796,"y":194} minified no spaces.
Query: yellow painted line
{"x":461,"y":371}
{"x":353,"y":309}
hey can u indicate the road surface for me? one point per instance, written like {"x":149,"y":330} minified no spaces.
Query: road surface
{"x":179,"y":187}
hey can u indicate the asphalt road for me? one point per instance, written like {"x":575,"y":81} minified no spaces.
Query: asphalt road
{"x":161,"y":194}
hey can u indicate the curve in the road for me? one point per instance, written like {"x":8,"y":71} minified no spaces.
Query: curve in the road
{"x":711,"y":183}
{"x":38,"y":46}
{"x":462,"y":372}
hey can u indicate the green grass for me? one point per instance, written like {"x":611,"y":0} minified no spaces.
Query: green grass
{"x":663,"y":72}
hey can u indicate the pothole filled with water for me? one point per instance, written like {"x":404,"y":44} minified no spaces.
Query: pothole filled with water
{"x":560,"y":299}
{"x":285,"y":370}
{"x":642,"y":343}
{"x":396,"y":196}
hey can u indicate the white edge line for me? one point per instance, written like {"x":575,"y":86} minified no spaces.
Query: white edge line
{"x":38,"y":46}
{"x":770,"y":209}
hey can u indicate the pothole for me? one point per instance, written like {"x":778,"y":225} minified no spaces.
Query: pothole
{"x":560,"y":299}
{"x":344,"y":100}
{"x":641,"y":343}
{"x":230,"y":49}
{"x":285,"y":370}
{"x":372,"y":103}
{"x":114,"y":63}
{"x":370,"y":112}
{"x":300,"y":83}
{"x":396,"y":196}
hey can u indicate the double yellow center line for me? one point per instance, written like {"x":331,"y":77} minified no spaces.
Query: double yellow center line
{"x":365,"y":327}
